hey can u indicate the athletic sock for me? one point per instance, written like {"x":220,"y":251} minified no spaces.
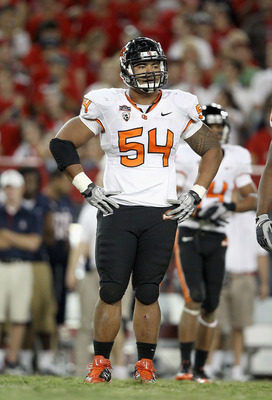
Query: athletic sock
{"x":200,"y":359}
{"x":146,"y":350}
{"x":102,"y":348}
{"x":186,"y":350}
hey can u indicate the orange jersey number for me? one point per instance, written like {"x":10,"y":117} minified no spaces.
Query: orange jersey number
{"x":139,"y":147}
{"x":220,"y":195}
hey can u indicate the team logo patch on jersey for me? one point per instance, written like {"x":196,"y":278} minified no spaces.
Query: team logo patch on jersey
{"x":126,"y":116}
{"x":124,"y":108}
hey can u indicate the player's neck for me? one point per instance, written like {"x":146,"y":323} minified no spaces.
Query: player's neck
{"x":140,"y":97}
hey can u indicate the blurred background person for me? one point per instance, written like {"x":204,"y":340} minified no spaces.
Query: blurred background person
{"x":56,"y":238}
{"x":38,"y":355}
{"x":246,"y":277}
{"x":202,"y":241}
{"x":20,"y":237}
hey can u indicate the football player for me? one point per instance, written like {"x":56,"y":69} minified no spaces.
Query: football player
{"x":138,"y":208}
{"x":263,"y":222}
{"x":202,"y":240}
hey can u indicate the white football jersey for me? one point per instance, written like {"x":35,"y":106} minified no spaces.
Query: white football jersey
{"x":140,"y":144}
{"x":234,"y":172}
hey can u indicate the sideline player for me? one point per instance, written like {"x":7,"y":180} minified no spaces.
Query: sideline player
{"x":139,"y":130}
{"x":202,"y":240}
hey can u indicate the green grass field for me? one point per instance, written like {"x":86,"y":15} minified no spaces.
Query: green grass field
{"x":44,"y":388}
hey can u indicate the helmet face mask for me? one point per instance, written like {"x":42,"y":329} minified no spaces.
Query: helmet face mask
{"x":138,"y":51}
{"x":214,"y":114}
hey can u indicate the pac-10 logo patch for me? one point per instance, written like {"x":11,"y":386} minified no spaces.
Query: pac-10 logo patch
{"x":126,"y":115}
{"x":124,"y":108}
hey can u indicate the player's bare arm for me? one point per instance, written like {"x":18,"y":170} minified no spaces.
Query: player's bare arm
{"x":265,"y":187}
{"x":263,"y":222}
{"x":205,"y":143}
{"x":77,"y":133}
{"x":64,"y":149}
{"x":247,"y":198}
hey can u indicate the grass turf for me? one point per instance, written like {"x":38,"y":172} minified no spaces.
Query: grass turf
{"x":44,"y":388}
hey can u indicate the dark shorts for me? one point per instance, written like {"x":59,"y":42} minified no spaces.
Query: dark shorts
{"x":202,"y":256}
{"x":134,"y":240}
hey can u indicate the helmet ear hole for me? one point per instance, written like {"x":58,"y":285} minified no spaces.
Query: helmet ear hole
{"x":143,"y":49}
{"x":214,"y":114}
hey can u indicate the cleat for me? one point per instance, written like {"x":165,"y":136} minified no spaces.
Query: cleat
{"x":144,"y":371}
{"x":185,"y":373}
{"x":14,"y":369}
{"x":200,"y":376}
{"x":184,"y":376}
{"x":100,"y":370}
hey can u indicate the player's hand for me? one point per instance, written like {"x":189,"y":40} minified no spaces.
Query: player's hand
{"x":264,"y":232}
{"x":217,"y":213}
{"x":185,"y":206}
{"x":97,"y":197}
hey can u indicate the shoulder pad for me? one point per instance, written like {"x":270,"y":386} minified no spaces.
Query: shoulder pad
{"x":102,"y":97}
{"x":184,"y":100}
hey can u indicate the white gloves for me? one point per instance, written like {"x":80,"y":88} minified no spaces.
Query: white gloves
{"x":264,"y":232}
{"x":185,"y":206}
{"x":98,"y":198}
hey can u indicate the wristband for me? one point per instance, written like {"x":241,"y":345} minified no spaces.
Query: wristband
{"x":230,"y":206}
{"x":261,"y":218}
{"x":200,"y":190}
{"x":81,"y":181}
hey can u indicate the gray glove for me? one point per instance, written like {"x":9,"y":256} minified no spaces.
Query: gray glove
{"x":97,"y":197}
{"x":217,"y":213}
{"x":264,"y":232}
{"x":185,"y":206}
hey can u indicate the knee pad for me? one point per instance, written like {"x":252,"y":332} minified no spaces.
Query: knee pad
{"x":147,"y":293}
{"x":111,"y":293}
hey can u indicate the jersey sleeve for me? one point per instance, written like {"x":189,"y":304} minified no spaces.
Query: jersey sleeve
{"x":90,"y":114}
{"x":244,"y":167}
{"x":192,"y":112}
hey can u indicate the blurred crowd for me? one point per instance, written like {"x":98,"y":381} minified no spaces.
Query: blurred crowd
{"x":52,"y":52}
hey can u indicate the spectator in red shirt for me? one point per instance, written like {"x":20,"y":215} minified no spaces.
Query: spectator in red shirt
{"x":13,"y":109}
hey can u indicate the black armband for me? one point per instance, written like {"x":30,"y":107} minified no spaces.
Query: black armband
{"x":230,"y":206}
{"x":64,"y":152}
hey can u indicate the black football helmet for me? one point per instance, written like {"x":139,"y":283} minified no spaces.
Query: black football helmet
{"x":214,"y":114}
{"x":143,"y":49}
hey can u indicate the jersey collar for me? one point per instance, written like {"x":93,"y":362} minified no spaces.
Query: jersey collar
{"x":151,"y":107}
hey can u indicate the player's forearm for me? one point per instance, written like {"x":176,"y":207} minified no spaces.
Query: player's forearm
{"x":208,"y":166}
{"x":265,"y":191}
{"x":24,"y":241}
{"x":246,"y":204}
{"x":263,"y":269}
{"x":72,"y":171}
